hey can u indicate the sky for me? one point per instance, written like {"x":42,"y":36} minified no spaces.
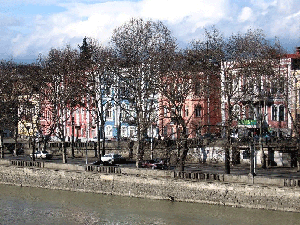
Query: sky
{"x":32,"y":27}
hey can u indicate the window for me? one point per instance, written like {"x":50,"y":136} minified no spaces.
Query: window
{"x":198,"y":89}
{"x":274,"y":112}
{"x":124,"y":131}
{"x":123,"y":111}
{"x":165,"y":112}
{"x":131,"y":131}
{"x":77,"y":120}
{"x":198,"y":111}
{"x":236,"y":112}
{"x":173,"y":114}
{"x":47,"y":115}
{"x":108,"y":130}
{"x":186,"y":112}
{"x":179,"y":110}
{"x":243,"y":112}
{"x":109,"y":113}
{"x":281,"y":113}
{"x":172,"y":133}
{"x":251,"y":112}
{"x":165,"y":130}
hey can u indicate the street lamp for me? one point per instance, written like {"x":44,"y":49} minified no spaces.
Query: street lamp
{"x":72,"y":136}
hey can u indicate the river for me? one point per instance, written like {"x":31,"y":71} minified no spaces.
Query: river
{"x":24,"y":205}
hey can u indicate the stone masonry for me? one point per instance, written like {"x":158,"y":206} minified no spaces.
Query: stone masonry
{"x":211,"y":192}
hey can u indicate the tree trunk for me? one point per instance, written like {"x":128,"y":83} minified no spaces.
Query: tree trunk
{"x":1,"y":144}
{"x":181,"y":162}
{"x":99,"y":140}
{"x":33,"y":149}
{"x":140,"y":154}
{"x":103,"y":139}
{"x":16,"y":142}
{"x":64,"y":152}
{"x":140,"y":150}
{"x":45,"y":144}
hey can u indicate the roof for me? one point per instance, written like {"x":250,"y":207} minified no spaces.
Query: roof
{"x":293,"y":56}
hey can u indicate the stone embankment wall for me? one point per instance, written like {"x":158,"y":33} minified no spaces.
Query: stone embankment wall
{"x":155,"y":187}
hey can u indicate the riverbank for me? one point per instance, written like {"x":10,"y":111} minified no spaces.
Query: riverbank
{"x":154,"y":185}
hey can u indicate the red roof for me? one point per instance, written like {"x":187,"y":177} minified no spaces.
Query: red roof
{"x":293,"y":56}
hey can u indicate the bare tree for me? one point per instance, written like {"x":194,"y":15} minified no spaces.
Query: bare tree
{"x":177,"y":119}
{"x":141,"y":47}
{"x":8,"y":99}
{"x":26,"y":87}
{"x":100,"y":74}
{"x":247,"y":68}
{"x":64,"y":86}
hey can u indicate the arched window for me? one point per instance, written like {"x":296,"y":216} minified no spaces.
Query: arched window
{"x":198,"y":111}
{"x":281,"y":113}
{"x":274,"y":112}
{"x":109,"y":113}
{"x":108,"y":130}
{"x":165,"y":111}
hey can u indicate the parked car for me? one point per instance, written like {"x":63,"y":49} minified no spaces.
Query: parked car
{"x":155,"y":164}
{"x":112,"y":158}
{"x":11,"y":148}
{"x":96,"y":163}
{"x":42,"y":155}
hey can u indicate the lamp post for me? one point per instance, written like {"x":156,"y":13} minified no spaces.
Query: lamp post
{"x":152,"y":154}
{"x":253,"y":150}
{"x":1,"y":144}
{"x":252,"y":157}
{"x":72,"y":147}
{"x":86,"y":144}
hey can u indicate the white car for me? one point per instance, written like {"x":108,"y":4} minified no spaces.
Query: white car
{"x":112,"y":158}
{"x":42,"y":155}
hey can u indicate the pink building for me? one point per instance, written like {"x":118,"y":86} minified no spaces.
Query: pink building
{"x":201,"y":115}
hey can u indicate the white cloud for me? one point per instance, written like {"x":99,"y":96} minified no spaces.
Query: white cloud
{"x":288,"y":26}
{"x":264,"y":4}
{"x":245,"y":15}
{"x":286,"y":6}
{"x":79,"y":20}
{"x":175,"y":11}
{"x":99,"y":20}
{"x":186,"y":19}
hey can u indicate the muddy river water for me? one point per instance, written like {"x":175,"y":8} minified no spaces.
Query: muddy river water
{"x":24,"y":205}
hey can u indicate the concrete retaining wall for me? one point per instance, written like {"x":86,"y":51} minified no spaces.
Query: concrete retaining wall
{"x":212,"y":192}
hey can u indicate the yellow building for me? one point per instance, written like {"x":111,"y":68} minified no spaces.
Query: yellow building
{"x":28,"y":112}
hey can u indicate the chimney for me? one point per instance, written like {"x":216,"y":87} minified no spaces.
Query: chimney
{"x":297,"y":50}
